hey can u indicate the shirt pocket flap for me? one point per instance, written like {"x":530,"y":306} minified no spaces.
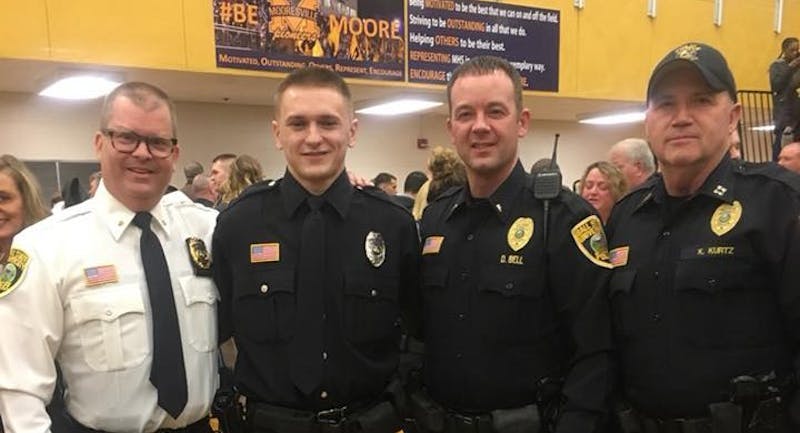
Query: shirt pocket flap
{"x":107,"y":305}
{"x":507,"y":282}
{"x":621,"y":282}
{"x":198,"y":289}
{"x":434,"y":276}
{"x":274,"y":281}
{"x":371,"y":286}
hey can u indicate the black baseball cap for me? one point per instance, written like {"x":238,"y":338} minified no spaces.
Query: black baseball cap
{"x":708,"y":61}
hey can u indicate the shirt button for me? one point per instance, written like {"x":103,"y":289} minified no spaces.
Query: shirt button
{"x":712,"y":282}
{"x":264,"y":288}
{"x":323,"y":394}
{"x":464,"y":275}
{"x":459,"y":356}
{"x":108,"y":312}
{"x":470,"y":237}
{"x":373,"y":293}
{"x":665,"y":234}
{"x":324,"y":356}
{"x":509,"y":286}
{"x":461,"y":316}
{"x":656,"y":317}
{"x":656,"y":275}
{"x":324,"y":316}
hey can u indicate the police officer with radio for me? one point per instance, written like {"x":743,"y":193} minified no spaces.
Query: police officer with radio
{"x":706,"y":262}
{"x":515,"y":323}
{"x":314,"y":275}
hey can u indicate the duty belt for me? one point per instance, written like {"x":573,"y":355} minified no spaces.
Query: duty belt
{"x":201,"y":426}
{"x":376,"y":418}
{"x":460,"y":423}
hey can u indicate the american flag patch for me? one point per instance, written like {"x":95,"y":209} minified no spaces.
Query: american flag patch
{"x":260,"y":253}
{"x":100,"y":275}
{"x":432,"y":245}
{"x":618,"y":256}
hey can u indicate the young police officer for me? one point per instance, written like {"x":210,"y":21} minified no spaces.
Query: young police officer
{"x":314,"y":274}
{"x":704,"y":292}
{"x":513,"y":306}
{"x":117,"y":289}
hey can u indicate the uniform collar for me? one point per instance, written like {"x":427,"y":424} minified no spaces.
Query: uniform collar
{"x":339,"y":195}
{"x":501,"y":200}
{"x":117,"y":217}
{"x":718,"y":185}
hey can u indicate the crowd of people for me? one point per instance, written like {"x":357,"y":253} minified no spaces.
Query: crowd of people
{"x":661,"y":297}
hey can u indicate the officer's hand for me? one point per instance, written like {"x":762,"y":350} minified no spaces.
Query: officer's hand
{"x":357,"y":181}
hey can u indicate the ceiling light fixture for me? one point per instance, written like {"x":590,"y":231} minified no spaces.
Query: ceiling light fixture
{"x":398,"y":106}
{"x":613,"y":119}
{"x":80,"y":87}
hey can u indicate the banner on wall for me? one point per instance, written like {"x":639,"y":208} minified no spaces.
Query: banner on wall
{"x":362,"y":41}
{"x":445,"y":33}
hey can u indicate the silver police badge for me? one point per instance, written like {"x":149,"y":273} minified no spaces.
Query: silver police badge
{"x":375,"y":247}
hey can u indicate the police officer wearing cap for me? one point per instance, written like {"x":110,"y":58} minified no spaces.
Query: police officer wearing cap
{"x":706,"y":262}
{"x":314,"y":275}
{"x":515,"y":323}
{"x":117,"y":290}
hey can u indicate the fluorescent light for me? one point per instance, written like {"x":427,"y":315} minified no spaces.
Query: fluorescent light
{"x":399,"y":106}
{"x":80,"y":87}
{"x":614,"y":119}
{"x":763,"y":128}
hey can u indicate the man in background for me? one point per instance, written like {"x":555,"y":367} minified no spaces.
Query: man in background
{"x":201,"y":190}
{"x":634,"y":159}
{"x":789,"y":157}
{"x":190,"y":171}
{"x":220,"y":171}
{"x":387,"y":183}
{"x":411,"y":186}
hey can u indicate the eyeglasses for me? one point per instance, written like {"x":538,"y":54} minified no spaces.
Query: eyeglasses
{"x":128,"y":142}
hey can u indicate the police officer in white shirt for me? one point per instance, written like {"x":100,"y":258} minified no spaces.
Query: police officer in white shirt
{"x":116,"y":290}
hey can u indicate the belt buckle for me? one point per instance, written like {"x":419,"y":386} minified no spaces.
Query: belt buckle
{"x":333,"y":416}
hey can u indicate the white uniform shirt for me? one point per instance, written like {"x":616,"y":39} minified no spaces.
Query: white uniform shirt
{"x":101,"y":332}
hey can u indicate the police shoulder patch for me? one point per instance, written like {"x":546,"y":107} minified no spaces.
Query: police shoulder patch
{"x":591,"y":241}
{"x":14,"y":271}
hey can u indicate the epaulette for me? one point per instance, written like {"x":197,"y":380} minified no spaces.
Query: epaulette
{"x":645,"y":187}
{"x":377,"y":193}
{"x":252,"y":190}
{"x":574,"y":202}
{"x":449,"y":192}
{"x":770,"y":171}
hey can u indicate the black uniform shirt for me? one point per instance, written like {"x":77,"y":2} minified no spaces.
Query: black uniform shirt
{"x":501,"y":312}
{"x":705,"y":288}
{"x":362,"y":303}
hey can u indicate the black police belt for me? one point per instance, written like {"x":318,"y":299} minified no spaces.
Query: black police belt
{"x":432,"y":417}
{"x":756,"y":403}
{"x":378,"y":418}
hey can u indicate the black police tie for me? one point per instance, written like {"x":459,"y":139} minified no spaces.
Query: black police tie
{"x":306,"y":348}
{"x":167,"y":373}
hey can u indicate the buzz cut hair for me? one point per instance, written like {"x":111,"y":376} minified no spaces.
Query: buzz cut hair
{"x":145,"y":96}
{"x":486,"y":65}
{"x":313,"y":76}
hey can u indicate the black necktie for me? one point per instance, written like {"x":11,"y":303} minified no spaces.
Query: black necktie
{"x":167,"y":373}
{"x":306,"y":348}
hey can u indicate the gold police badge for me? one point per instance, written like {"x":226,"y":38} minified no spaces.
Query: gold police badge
{"x":198,"y":253}
{"x":375,"y":247}
{"x":725,"y":217}
{"x":520,"y":233}
{"x":13,"y":271}
{"x":591,"y":241}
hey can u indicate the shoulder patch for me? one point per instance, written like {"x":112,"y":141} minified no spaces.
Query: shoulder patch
{"x":591,"y":241}
{"x":14,"y":271}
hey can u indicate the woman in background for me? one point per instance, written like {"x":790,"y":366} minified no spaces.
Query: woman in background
{"x":20,"y":204}
{"x":602,"y":185}
{"x":245,"y":171}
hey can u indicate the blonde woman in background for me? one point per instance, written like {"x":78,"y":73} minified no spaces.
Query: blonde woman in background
{"x":245,"y":171}
{"x":20,"y":204}
{"x":447,"y":170}
{"x":602,"y":185}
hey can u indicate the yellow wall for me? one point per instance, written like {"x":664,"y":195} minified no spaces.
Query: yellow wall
{"x":607,"y":48}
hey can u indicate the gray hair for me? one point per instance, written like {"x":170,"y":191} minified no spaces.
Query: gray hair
{"x":637,"y":150}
